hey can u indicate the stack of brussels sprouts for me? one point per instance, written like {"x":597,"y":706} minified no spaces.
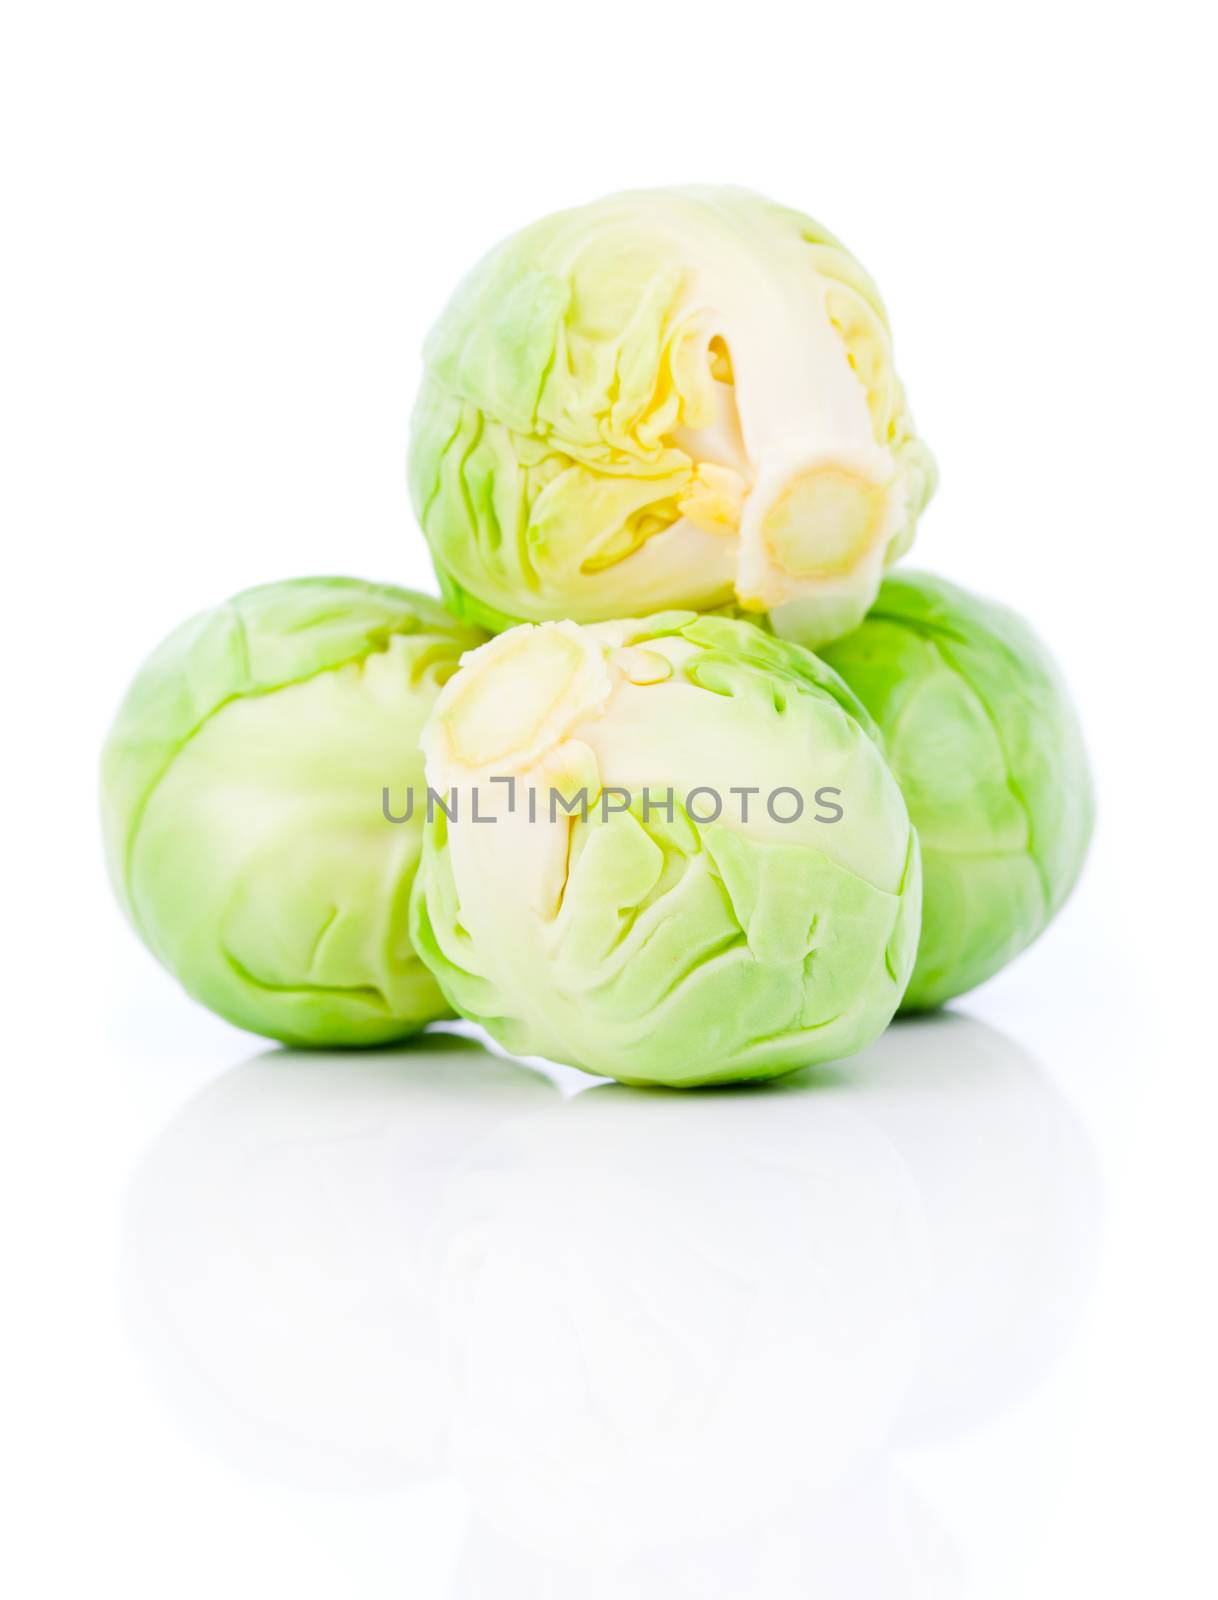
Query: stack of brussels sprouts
{"x":660,"y":454}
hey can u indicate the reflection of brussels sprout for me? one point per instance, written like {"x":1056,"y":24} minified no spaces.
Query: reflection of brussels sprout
{"x":241,"y":794}
{"x":985,"y":744}
{"x":635,"y":1284}
{"x":634,"y":941}
{"x":672,"y":397}
{"x":277,"y":1262}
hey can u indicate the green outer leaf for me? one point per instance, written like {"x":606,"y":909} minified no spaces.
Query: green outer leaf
{"x":984,"y":740}
{"x":685,"y":954}
{"x":249,"y":717}
{"x":547,"y":431}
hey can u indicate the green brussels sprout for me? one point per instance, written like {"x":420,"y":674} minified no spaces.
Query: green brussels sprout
{"x":673,"y":397}
{"x":671,"y":852}
{"x":243,"y":806}
{"x":981,"y":734}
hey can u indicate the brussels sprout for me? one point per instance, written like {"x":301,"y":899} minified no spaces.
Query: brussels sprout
{"x":984,"y":741}
{"x":675,"y":853}
{"x":675,"y":397}
{"x":242,"y":789}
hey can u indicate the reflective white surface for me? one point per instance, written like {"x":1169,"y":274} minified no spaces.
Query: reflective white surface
{"x":438,"y":1324}
{"x":650,"y":1336}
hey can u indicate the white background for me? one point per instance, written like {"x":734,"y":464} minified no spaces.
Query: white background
{"x":947,"y":1329}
